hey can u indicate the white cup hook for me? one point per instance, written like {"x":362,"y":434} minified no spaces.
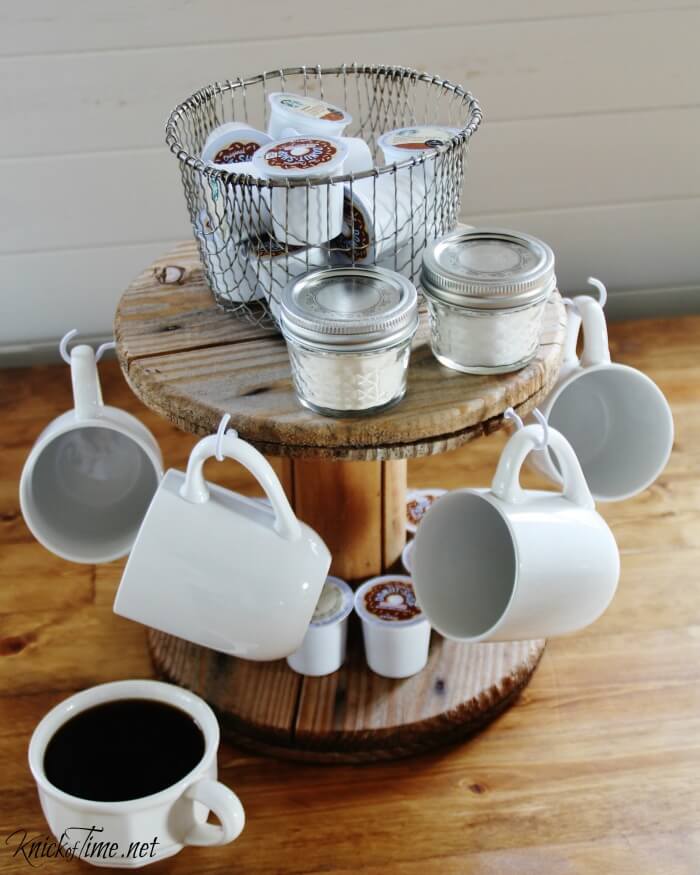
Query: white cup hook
{"x":509,"y":413}
{"x":602,"y":291}
{"x":66,"y":339}
{"x":63,"y":345}
{"x":220,"y":432}
{"x":570,"y":304}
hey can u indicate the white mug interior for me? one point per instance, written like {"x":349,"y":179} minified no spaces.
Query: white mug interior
{"x":620,"y":426}
{"x":87,"y":492}
{"x":465,"y":548}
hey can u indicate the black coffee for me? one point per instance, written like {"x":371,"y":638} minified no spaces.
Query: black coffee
{"x":123,"y":750}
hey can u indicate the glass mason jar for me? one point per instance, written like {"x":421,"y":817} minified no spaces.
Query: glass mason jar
{"x":349,"y":331}
{"x":486,"y":291}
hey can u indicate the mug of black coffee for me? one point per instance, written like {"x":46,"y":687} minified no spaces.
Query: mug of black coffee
{"x":126,"y":774}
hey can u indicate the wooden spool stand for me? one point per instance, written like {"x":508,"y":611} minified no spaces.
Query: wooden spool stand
{"x":191,"y":362}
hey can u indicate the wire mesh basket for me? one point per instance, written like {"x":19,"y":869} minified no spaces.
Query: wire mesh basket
{"x":253,"y":234}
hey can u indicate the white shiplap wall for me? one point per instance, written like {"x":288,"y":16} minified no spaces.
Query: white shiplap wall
{"x":591,"y":138}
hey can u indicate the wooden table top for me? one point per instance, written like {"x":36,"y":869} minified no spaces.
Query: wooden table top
{"x":595,"y":770}
{"x":190,"y":361}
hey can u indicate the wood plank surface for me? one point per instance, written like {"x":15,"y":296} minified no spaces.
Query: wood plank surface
{"x":192,"y":362}
{"x":595,"y":770}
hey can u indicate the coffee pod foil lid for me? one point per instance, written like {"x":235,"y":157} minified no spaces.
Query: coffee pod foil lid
{"x":350,"y":308}
{"x":418,"y":139}
{"x":232,"y":144}
{"x":389,"y":599}
{"x":310,"y":108}
{"x":488,"y":268}
{"x":301,"y":157}
{"x":334,"y":603}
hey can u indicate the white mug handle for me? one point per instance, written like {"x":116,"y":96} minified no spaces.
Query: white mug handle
{"x":87,"y":394}
{"x":217,"y":797}
{"x":596,"y":350}
{"x":195,"y":488}
{"x":506,"y":481}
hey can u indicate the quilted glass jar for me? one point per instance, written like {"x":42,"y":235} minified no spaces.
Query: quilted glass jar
{"x":486,"y":291}
{"x":348,"y":331}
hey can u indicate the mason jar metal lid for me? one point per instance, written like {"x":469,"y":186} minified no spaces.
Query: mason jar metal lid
{"x":349,"y":309}
{"x":488,"y":268}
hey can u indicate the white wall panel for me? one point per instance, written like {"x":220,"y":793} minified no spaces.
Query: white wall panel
{"x":591,"y":138}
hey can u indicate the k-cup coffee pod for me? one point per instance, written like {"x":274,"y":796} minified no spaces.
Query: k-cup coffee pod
{"x":268,"y":265}
{"x":231,"y":146}
{"x":420,"y":142}
{"x":418,"y":502}
{"x":241,"y":212}
{"x":395,"y":630}
{"x":305,"y":115}
{"x":405,"y":143}
{"x":383,"y":216}
{"x":359,"y":157}
{"x":307,"y":210}
{"x":323,"y":649}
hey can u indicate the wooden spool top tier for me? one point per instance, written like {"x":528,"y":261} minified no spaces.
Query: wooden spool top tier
{"x":192,"y":362}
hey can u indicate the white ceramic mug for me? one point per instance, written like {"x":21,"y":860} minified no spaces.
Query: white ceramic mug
{"x":509,"y":564}
{"x":175,"y":817}
{"x":222,"y":570}
{"x":616,"y":419}
{"x":91,"y":474}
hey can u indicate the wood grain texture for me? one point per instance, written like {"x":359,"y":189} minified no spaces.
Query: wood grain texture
{"x":593,"y":771}
{"x":344,"y":503}
{"x":191,"y":362}
{"x":353,"y":715}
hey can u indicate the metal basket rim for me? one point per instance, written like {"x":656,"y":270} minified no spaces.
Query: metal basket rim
{"x":209,"y":91}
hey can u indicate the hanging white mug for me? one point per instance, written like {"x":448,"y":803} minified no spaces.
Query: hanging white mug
{"x":509,"y":564}
{"x":616,"y":419}
{"x":91,"y":474}
{"x":222,"y":570}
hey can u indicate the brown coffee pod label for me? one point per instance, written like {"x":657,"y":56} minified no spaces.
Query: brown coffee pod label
{"x":236,"y":152}
{"x":303,"y":153}
{"x":417,"y":507}
{"x":313,"y":108}
{"x":392,"y":600}
{"x":354,"y":239}
{"x":420,"y":138}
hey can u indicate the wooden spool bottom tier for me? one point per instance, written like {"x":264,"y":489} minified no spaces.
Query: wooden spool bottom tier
{"x":352,"y":716}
